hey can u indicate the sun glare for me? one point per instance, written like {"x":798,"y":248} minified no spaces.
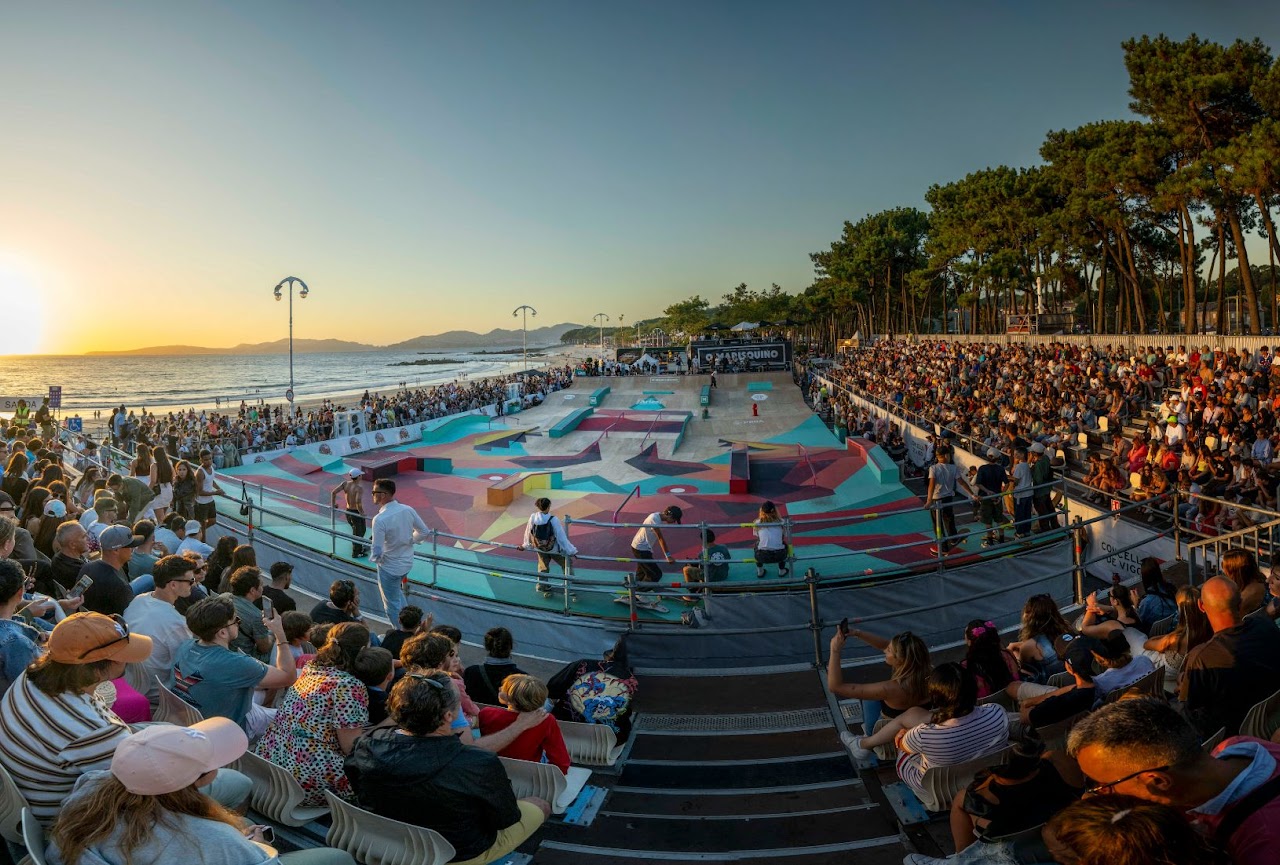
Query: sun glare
{"x":23,"y":308}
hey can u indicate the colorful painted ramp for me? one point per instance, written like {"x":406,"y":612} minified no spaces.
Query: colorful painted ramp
{"x":475,"y":485}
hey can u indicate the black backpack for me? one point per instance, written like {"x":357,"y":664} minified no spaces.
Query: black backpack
{"x":544,"y":536}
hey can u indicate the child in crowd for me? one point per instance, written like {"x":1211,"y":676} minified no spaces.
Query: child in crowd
{"x":454,"y":669}
{"x":412,"y":621}
{"x":543,"y":743}
{"x":374,"y":667}
{"x":297,"y":626}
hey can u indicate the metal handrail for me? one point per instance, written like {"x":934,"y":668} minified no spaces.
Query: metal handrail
{"x":657,"y":416}
{"x":634,"y":492}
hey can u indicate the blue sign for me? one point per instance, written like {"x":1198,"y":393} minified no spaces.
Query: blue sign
{"x":74,"y":424}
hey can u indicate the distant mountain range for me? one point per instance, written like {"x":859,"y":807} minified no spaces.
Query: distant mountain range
{"x":453,"y":339}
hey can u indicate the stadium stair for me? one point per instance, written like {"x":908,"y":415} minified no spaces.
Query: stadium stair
{"x":725,"y":768}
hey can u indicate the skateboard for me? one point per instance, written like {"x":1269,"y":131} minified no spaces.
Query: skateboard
{"x":656,"y":606}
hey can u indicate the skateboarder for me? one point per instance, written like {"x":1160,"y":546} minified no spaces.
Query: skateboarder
{"x":354,"y":493}
{"x":646,"y":539}
{"x":545,"y":534}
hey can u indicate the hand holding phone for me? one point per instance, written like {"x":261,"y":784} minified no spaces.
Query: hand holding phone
{"x":82,"y":585}
{"x":844,"y":627}
{"x":267,"y":611}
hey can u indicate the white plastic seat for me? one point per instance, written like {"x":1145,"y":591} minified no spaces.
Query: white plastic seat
{"x":375,"y":840}
{"x":1135,"y":480}
{"x":276,"y":793}
{"x":1061,"y":680}
{"x":1160,"y":627}
{"x":1083,"y":439}
{"x":1213,"y":741}
{"x":137,"y":678}
{"x":940,"y":784}
{"x":1263,"y":719}
{"x":1104,"y":423}
{"x":175,"y":710}
{"x":590,"y":744}
{"x":12,"y":804}
{"x":1152,"y":684}
{"x":33,"y":838}
{"x":545,"y":782}
{"x":1055,"y":735}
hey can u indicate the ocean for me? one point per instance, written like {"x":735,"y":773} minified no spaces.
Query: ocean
{"x":164,"y":383}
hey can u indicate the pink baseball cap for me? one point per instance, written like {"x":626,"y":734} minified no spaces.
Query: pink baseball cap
{"x":164,"y":759}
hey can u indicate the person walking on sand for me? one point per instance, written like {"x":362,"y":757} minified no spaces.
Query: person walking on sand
{"x":546,"y":535}
{"x":396,"y":528}
{"x":354,"y":494}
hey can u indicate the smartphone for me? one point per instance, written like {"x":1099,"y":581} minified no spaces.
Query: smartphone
{"x":267,"y":612}
{"x":268,"y":835}
{"x":844,"y":627}
{"x":82,"y":585}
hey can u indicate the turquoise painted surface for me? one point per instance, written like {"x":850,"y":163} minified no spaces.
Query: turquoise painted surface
{"x":648,"y":405}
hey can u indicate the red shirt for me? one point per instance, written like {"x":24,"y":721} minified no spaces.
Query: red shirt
{"x":1258,"y":838}
{"x":532,"y":743}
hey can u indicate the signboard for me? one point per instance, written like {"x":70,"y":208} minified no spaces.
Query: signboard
{"x":746,"y":354}
{"x":55,"y":396}
{"x":74,"y":424}
{"x":630,"y":355}
{"x":288,"y":394}
{"x":10,"y":403}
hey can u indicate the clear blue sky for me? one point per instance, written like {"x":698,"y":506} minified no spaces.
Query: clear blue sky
{"x":426,"y":166}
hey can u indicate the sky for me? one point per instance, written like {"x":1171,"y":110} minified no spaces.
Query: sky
{"x":427,"y":166}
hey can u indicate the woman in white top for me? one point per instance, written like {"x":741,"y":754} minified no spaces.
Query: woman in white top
{"x":771,"y":542}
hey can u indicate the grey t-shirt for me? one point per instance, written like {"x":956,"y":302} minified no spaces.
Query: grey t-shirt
{"x":178,"y":838}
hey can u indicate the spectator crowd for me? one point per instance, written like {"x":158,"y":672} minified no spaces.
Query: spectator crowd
{"x":112,"y":609}
{"x":1201,"y":421}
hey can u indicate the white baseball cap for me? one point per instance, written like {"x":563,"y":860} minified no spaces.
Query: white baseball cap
{"x":166,"y":758}
{"x":356,"y":473}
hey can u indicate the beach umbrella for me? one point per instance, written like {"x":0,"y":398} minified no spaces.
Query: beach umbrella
{"x":715,"y":325}
{"x":745,"y":325}
{"x":788,"y":322}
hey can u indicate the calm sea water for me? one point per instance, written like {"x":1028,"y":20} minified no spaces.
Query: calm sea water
{"x":183,"y":381}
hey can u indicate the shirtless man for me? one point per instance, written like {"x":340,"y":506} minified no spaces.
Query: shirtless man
{"x":354,"y":510}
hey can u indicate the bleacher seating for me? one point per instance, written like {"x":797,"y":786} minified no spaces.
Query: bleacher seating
{"x":375,"y":840}
{"x":33,"y":839}
{"x":546,"y":782}
{"x":277,"y":794}
{"x":12,"y":804}
{"x":176,"y":710}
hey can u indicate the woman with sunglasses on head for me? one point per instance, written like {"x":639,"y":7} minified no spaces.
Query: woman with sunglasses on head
{"x":148,"y":809}
{"x":419,"y":772}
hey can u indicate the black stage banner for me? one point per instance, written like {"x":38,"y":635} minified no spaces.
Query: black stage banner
{"x":745,"y":354}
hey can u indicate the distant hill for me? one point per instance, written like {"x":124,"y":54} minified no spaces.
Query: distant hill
{"x":453,"y":339}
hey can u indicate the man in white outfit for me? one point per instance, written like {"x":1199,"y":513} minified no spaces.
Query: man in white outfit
{"x":546,"y":535}
{"x":396,"y":528}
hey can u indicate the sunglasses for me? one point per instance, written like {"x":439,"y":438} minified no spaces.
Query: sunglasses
{"x":1111,"y":786}
{"x":235,"y":623}
{"x":121,"y":625}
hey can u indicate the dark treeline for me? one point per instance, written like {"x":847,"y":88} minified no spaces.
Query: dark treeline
{"x":1128,"y":224}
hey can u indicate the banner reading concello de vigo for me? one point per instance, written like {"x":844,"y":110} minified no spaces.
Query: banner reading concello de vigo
{"x":753,"y":352}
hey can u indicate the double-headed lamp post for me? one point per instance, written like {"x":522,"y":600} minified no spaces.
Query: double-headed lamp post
{"x":524,"y":330}
{"x":598,"y":316}
{"x":303,"y":291}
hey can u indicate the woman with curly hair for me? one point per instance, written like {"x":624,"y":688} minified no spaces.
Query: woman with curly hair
{"x":322,"y":715}
{"x":1043,"y":640}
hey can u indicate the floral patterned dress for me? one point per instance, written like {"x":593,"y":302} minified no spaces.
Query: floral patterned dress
{"x":302,"y":738}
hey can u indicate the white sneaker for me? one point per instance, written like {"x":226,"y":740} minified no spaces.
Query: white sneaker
{"x":853,"y":742}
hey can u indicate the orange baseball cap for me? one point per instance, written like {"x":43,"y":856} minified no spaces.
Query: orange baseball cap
{"x":85,"y":638}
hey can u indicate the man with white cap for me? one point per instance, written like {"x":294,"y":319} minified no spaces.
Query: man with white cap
{"x":53,"y":725}
{"x":191,"y":541}
{"x":154,"y":781}
{"x":110,"y":591}
{"x":354,"y":493}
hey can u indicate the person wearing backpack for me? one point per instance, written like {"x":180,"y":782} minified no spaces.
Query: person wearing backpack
{"x":545,"y":534}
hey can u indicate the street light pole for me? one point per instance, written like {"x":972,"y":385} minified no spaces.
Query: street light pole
{"x":524,"y":331}
{"x":598,"y":316}
{"x":302,"y":293}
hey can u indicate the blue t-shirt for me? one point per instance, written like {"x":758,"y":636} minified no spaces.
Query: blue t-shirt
{"x":217,"y":681}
